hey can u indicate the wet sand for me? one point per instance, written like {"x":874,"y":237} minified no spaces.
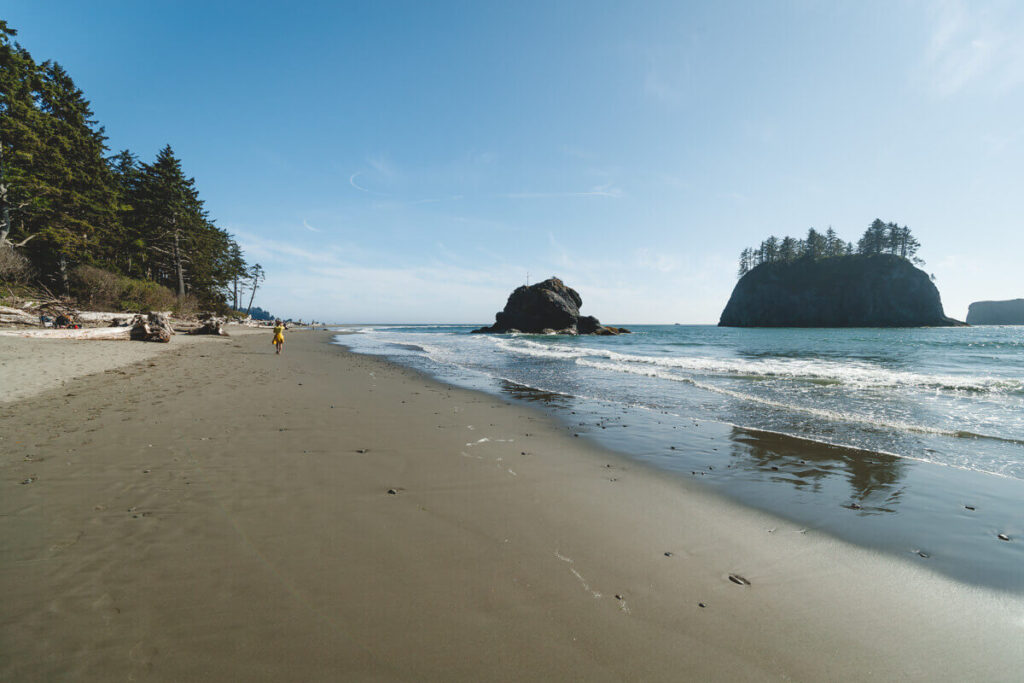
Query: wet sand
{"x":218,"y":512}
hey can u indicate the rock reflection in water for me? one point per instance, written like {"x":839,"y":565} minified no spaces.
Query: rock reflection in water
{"x":874,"y":478}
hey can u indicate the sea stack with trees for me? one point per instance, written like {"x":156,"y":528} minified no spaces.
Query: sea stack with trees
{"x":824,"y":281}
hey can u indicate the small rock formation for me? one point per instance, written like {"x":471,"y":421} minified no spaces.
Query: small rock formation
{"x":151,"y":327}
{"x":1010,"y":312}
{"x":842,"y":291}
{"x":548,"y":307}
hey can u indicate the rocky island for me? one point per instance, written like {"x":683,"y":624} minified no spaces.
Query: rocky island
{"x":1009,"y":312}
{"x":822,"y":281}
{"x":548,"y":307}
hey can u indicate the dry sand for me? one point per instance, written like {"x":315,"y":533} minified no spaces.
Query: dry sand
{"x":28,"y":368}
{"x":217,"y":512}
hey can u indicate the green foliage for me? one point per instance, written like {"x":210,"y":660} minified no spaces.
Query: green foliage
{"x":879,"y":238}
{"x":64,"y":204}
{"x":102,"y":290}
{"x":145,"y":295}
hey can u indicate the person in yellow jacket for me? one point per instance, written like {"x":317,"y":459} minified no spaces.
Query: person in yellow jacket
{"x":279,"y":335}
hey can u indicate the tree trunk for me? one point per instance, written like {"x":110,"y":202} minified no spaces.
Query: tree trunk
{"x":178,"y":266}
{"x":253,"y":296}
{"x":5,"y":217}
{"x":64,"y":274}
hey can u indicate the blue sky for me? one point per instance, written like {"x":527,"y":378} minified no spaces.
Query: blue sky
{"x":414,"y":162}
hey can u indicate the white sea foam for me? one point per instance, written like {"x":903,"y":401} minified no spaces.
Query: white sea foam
{"x":742,"y":396}
{"x":853,"y":373}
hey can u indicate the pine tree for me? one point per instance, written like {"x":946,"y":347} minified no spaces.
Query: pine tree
{"x":169,"y":217}
{"x":814,"y":245}
{"x":745,"y":265}
{"x":788,"y":250}
{"x":833,"y":245}
{"x":63,"y":202}
{"x":874,"y":239}
{"x":57,"y":180}
{"x":21,"y":142}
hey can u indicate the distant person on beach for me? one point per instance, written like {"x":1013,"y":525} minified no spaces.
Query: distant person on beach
{"x":279,"y":335}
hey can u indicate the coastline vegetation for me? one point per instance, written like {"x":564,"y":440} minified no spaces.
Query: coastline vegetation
{"x":879,"y":238}
{"x":110,"y":229}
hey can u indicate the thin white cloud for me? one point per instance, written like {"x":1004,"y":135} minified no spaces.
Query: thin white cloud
{"x":974,"y":44}
{"x":353,"y":183}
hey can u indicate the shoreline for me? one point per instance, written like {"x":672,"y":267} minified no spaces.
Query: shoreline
{"x":225,"y":513}
{"x":944,"y":518}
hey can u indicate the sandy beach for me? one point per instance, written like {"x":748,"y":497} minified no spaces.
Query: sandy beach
{"x":206,"y":510}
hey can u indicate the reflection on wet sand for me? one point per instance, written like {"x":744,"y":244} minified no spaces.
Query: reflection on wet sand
{"x":874,"y":478}
{"x":525,"y":393}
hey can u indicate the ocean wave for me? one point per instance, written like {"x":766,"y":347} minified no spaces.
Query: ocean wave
{"x":831,"y":415}
{"x":816,"y":370}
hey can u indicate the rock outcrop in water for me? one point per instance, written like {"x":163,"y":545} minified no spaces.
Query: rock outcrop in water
{"x":548,"y":307}
{"x":843,"y":291}
{"x":1010,"y":312}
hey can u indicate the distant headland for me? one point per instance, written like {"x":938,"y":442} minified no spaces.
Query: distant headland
{"x":1010,"y":312}
{"x":823,"y":281}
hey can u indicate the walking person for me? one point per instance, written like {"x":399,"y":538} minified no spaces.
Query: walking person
{"x":279,"y":335}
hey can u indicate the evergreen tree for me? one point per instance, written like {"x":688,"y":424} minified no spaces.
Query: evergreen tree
{"x":64,"y":203}
{"x":814,"y":245}
{"x":124,"y":167}
{"x":879,"y":238}
{"x":745,"y":262}
{"x":21,"y":141}
{"x":788,"y":250}
{"x":81,"y":207}
{"x":874,"y":240}
{"x":170,"y":217}
{"x":834,"y":246}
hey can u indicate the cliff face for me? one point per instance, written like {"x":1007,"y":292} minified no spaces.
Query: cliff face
{"x":547,"y":307}
{"x":844,"y":291}
{"x":1009,"y":312}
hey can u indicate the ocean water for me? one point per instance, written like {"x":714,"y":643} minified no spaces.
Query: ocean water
{"x":838,"y":429}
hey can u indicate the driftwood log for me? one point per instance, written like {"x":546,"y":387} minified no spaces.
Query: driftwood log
{"x":17,"y":316}
{"x":101,"y":333}
{"x":150,"y":327}
{"x":210,"y":324}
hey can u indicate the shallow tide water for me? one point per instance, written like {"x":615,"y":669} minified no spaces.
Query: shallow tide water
{"x":908,"y":440}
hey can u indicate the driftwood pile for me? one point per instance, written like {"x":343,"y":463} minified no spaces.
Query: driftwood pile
{"x":149,"y":327}
{"x":67,"y":323}
{"x":210,"y":324}
{"x":16,"y":316}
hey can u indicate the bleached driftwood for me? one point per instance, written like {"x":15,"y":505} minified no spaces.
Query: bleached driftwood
{"x":103,"y":333}
{"x":210,"y":324}
{"x":150,"y":327}
{"x":112,"y":319}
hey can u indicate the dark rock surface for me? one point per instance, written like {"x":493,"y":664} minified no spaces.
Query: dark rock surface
{"x":844,"y":291}
{"x":1010,"y":312}
{"x":548,"y":307}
